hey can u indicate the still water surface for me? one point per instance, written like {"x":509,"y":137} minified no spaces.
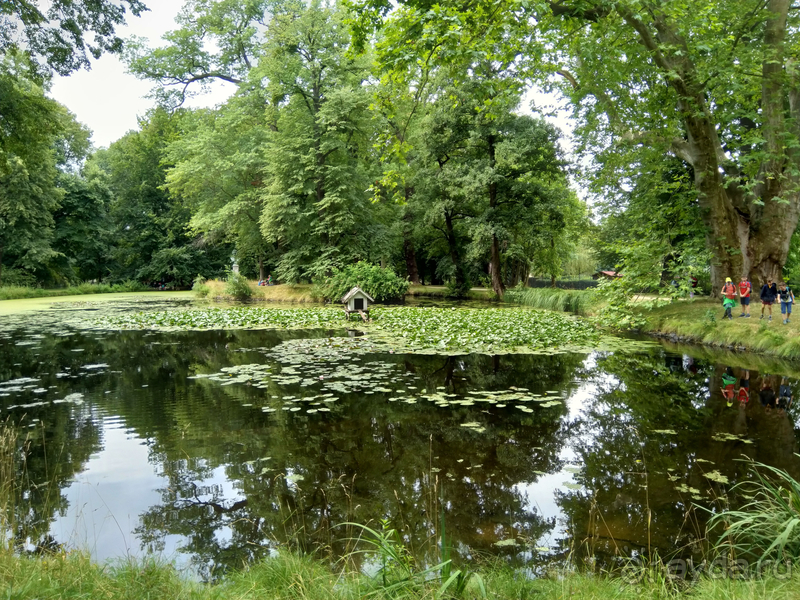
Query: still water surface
{"x":215,"y":448}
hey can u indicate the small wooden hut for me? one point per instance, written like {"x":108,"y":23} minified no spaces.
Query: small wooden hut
{"x":357,"y":301}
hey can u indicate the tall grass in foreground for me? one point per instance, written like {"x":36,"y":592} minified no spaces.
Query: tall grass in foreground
{"x":8,"y":444}
{"x":290,"y":577}
{"x":16,"y":292}
{"x":579,"y":302}
{"x":767,"y":528}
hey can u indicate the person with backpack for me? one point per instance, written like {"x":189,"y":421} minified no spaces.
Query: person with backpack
{"x":786,"y":298}
{"x":745,"y":287}
{"x":769,"y":291}
{"x":728,"y":298}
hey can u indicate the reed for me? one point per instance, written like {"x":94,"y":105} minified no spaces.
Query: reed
{"x":579,"y":302}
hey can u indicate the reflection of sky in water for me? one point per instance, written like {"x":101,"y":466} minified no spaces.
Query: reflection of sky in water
{"x":224,"y":428}
{"x":103,"y":511}
{"x":541,"y":496}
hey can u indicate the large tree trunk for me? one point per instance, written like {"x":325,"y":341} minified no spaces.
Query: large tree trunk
{"x":261,"y":276}
{"x":408,"y":246}
{"x":452,"y":243}
{"x":750,"y":221}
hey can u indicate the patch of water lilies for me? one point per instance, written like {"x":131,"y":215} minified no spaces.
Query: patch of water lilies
{"x":309,"y":375}
{"x":405,"y":329}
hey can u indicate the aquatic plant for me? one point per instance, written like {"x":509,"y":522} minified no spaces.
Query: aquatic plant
{"x":579,"y":302}
{"x":410,"y":329}
{"x":767,"y":527}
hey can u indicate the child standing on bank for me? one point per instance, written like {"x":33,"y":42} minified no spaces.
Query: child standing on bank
{"x":728,"y":298}
{"x":769,"y":291}
{"x":745,"y":287}
{"x":786,"y":298}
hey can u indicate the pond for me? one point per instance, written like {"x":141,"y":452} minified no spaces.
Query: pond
{"x":214,"y":448}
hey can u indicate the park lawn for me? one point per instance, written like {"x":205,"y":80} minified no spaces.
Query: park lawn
{"x":700,"y":321}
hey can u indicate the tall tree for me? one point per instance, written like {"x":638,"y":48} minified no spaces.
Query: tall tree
{"x":317,"y":204}
{"x":34,"y":138}
{"x":151,"y":228}
{"x":713,"y":83}
{"x":54,"y":34}
{"x":218,"y":173}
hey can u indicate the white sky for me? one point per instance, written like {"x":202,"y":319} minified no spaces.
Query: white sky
{"x":109,"y":100}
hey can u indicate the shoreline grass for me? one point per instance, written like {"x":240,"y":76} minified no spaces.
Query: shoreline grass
{"x":700,"y":321}
{"x":16,"y":292}
{"x":579,"y":302}
{"x":69,"y":576}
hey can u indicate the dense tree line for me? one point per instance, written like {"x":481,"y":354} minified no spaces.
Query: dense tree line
{"x":314,"y":163}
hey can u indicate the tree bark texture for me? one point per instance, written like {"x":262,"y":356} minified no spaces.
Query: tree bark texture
{"x":749,"y":220}
{"x":748,"y":231}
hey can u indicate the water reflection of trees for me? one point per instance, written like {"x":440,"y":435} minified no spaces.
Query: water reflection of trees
{"x":366,"y":460}
{"x":640,"y":482}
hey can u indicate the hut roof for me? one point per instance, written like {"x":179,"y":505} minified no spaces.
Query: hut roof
{"x":355,"y":291}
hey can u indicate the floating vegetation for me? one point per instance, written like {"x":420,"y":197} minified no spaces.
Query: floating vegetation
{"x":317,"y":371}
{"x":405,"y":329}
{"x":716,"y":476}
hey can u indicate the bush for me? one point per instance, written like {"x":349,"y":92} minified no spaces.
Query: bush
{"x":454,"y":290}
{"x":238,"y":286}
{"x":382,"y":284}
{"x":16,"y":278}
{"x":199,"y":286}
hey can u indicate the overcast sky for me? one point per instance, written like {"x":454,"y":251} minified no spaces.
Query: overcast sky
{"x":109,"y":100}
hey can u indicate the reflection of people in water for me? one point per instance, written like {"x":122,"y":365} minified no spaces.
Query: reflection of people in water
{"x":784,"y":395}
{"x":767,"y":394}
{"x":728,"y":381}
{"x":744,"y":387}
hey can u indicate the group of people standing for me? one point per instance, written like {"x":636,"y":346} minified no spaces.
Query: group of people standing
{"x":770,"y":293}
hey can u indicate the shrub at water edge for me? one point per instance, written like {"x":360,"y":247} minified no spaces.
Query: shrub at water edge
{"x":382,"y":284}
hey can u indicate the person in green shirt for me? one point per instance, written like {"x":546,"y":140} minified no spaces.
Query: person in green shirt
{"x":728,"y":298}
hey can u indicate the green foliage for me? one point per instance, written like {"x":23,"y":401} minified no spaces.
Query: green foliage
{"x":199,"y":286}
{"x":427,"y":330}
{"x":766,"y":527}
{"x":238,"y":287}
{"x":57,"y":37}
{"x":16,"y":292}
{"x":579,"y":302}
{"x":456,"y":289}
{"x":380,"y":283}
{"x":152,"y":240}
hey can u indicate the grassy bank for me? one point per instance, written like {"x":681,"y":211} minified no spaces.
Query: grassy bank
{"x":579,"y":302}
{"x":270,"y":293}
{"x":700,"y":321}
{"x":15,"y":292}
{"x":74,"y":576}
